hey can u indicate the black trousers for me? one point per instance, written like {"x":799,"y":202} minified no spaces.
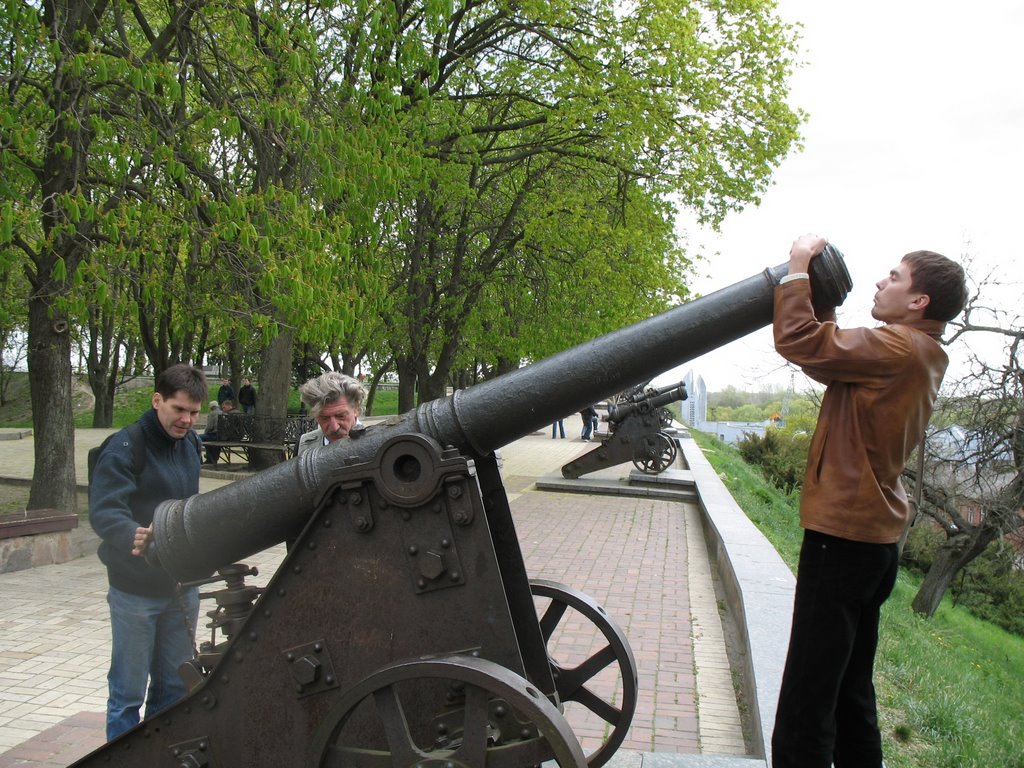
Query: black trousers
{"x":827,"y":712}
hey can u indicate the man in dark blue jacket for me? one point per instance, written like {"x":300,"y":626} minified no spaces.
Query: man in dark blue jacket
{"x":152,"y":623}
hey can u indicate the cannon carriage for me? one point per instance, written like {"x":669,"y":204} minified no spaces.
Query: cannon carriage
{"x":401,"y":628}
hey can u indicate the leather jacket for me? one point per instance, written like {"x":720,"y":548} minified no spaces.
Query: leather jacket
{"x":881,"y":386}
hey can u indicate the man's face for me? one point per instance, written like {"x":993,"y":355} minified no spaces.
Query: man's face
{"x":227,"y":407}
{"x":336,"y":419}
{"x":895,"y":301}
{"x":176,"y":413}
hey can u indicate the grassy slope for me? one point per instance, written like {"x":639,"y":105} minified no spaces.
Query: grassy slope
{"x":949,"y":688}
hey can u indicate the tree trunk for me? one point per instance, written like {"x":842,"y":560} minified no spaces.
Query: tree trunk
{"x":406,"y":384}
{"x":274,"y":381}
{"x":103,"y":365}
{"x":49,"y":376}
{"x":378,"y":374}
{"x":103,"y":407}
{"x":235,"y":362}
{"x":950,"y":558}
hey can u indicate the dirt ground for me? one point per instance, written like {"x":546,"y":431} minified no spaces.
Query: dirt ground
{"x":13,"y":498}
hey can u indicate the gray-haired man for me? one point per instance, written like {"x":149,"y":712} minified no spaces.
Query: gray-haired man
{"x":336,"y":402}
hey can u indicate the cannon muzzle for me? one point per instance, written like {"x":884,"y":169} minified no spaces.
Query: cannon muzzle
{"x":196,"y":535}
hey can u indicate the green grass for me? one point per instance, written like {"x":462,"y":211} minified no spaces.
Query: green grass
{"x":950,"y":692}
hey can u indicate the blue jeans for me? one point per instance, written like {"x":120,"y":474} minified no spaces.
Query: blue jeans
{"x":150,"y":642}
{"x":556,"y":427}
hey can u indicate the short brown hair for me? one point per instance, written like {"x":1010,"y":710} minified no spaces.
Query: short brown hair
{"x":182,"y":378}
{"x":942,"y":279}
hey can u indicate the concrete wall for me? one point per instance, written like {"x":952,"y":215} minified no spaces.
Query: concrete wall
{"x":759,"y":591}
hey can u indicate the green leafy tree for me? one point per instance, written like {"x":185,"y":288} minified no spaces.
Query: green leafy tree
{"x":532,"y":102}
{"x":66,"y":171}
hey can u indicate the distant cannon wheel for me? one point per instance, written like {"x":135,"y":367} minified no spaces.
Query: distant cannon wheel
{"x":492,"y":717}
{"x":603,"y":673}
{"x":658,"y":454}
{"x":666,"y":417}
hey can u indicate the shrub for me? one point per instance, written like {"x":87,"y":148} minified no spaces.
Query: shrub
{"x":781,"y":455}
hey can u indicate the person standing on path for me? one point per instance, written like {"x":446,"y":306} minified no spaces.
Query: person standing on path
{"x":152,"y":622}
{"x":589,"y":417}
{"x":881,"y":387}
{"x":247,"y":396}
{"x":225,"y":392}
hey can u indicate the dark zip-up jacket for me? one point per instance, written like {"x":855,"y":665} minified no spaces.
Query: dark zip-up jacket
{"x":120,"y":502}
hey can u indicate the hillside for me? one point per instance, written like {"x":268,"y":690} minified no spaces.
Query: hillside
{"x":16,"y":410}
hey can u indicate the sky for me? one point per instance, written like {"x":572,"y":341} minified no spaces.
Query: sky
{"x":915,"y":139}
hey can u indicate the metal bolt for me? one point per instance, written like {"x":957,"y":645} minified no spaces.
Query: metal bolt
{"x":431,"y":565}
{"x":306,"y":670}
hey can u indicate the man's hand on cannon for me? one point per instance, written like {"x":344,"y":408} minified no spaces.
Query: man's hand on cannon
{"x":142,"y":538}
{"x":805,"y":248}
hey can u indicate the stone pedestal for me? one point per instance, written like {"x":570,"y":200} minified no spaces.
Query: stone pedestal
{"x":36,"y":537}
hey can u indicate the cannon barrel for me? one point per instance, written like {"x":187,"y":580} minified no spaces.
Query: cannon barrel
{"x":194,"y":536}
{"x":647,"y":393}
{"x":656,"y":399}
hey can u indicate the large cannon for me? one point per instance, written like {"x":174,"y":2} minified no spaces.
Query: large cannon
{"x":637,"y":431}
{"x":401,"y":627}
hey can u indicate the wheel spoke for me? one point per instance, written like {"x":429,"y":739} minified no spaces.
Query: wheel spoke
{"x":473,"y":750}
{"x":350,"y":757}
{"x":552,"y":616}
{"x":603,"y":709}
{"x":396,"y":728}
{"x":577,"y":676}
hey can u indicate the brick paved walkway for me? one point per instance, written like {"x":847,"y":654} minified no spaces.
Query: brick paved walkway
{"x":643,"y":560}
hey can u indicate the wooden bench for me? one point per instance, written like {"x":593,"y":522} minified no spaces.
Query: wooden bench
{"x":239,"y":433}
{"x":35,"y":521}
{"x":241,"y":448}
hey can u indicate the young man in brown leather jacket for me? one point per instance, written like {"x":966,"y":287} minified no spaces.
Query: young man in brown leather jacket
{"x":881,"y":386}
